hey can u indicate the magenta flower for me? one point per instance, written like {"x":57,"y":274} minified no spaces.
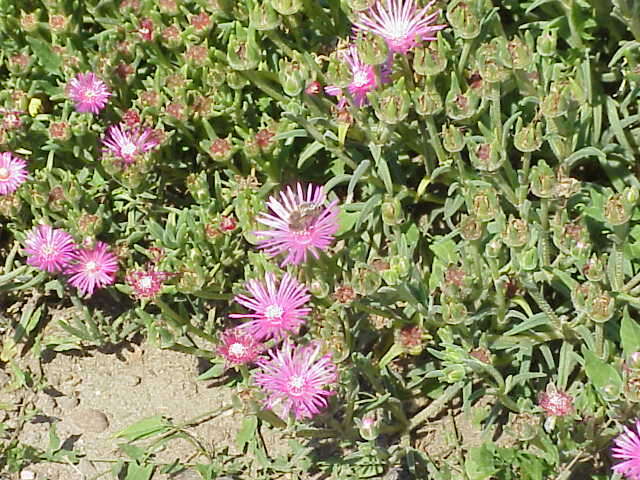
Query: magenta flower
{"x":129,"y":144}
{"x":627,"y":448}
{"x":92,"y":268}
{"x":146,"y":283}
{"x":89,"y":93}
{"x":13,"y":173}
{"x":300,"y":223}
{"x":237,"y":348}
{"x":400,"y":23}
{"x":49,"y":249}
{"x":275,"y":309}
{"x":294,"y":379}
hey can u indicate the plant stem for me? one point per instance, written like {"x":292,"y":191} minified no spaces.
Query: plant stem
{"x":435,"y":407}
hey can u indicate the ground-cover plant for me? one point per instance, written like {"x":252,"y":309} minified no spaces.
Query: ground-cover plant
{"x":369,"y":216}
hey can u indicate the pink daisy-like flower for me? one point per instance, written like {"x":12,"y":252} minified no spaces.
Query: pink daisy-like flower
{"x":238,"y":348}
{"x":128,"y":144}
{"x":300,"y":223}
{"x":49,"y":249}
{"x":400,"y":23}
{"x":13,"y":173}
{"x":294,"y":379}
{"x":89,"y":93}
{"x":146,"y":283}
{"x":275,"y":309}
{"x":555,"y":403}
{"x":92,"y":268}
{"x":627,"y":448}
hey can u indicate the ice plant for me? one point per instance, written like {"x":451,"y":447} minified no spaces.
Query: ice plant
{"x":49,"y":249}
{"x":299,"y":222}
{"x":400,"y":23}
{"x":92,"y":268}
{"x":146,"y":283}
{"x":555,"y":403}
{"x":276,"y":309}
{"x":129,"y":144}
{"x":627,"y":448}
{"x":89,"y":93}
{"x":238,"y":348}
{"x":13,"y":173}
{"x":294,"y":378}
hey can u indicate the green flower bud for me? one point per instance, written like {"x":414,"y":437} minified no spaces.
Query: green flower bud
{"x":566,"y":187}
{"x":198,"y":187}
{"x":368,"y":427}
{"x":485,"y":204}
{"x":486,"y":157}
{"x":542,"y":180}
{"x":454,"y":374}
{"x":190,"y":282}
{"x":264,"y":18}
{"x":10,"y":206}
{"x":555,"y":104}
{"x":464,"y":20}
{"x":360,"y":5}
{"x":594,"y":269}
{"x":491,"y":67}
{"x":242,"y":51}
{"x":528,"y":138}
{"x":617,"y":211}
{"x":529,"y":259}
{"x":452,"y":138}
{"x":392,"y":212}
{"x":293,"y":77}
{"x":470,"y":228}
{"x":89,"y":225}
{"x":610,"y":392}
{"x":132,"y":176}
{"x":368,"y":282}
{"x":517,"y":233}
{"x":493,"y":248}
{"x":454,"y":313}
{"x":521,"y":53}
{"x":319,"y":289}
{"x":546,"y":43}
{"x":430,"y":60}
{"x":235,"y":80}
{"x":428,"y":101}
{"x":286,"y":7}
{"x":601,"y":307}
{"x":460,"y":106}
{"x":391,"y":104}
{"x":372,"y":49}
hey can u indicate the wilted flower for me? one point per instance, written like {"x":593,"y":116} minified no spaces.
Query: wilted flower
{"x":555,"y":403}
{"x":237,"y":347}
{"x":627,"y":448}
{"x":400,"y":23}
{"x":49,"y":249}
{"x":92,"y":268}
{"x":300,"y":223}
{"x":146,"y":283}
{"x":295,"y":379}
{"x":13,"y":173}
{"x":128,"y":144}
{"x":277,"y":309}
{"x":89,"y":93}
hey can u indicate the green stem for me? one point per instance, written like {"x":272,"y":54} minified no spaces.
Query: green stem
{"x":523,"y":178}
{"x":434,"y":138}
{"x":435,"y":407}
{"x":599,"y":340}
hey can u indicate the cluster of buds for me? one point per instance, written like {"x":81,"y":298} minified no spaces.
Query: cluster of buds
{"x":592,"y":300}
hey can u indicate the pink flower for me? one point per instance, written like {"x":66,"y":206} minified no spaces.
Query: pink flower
{"x":276,"y":309}
{"x":129,"y":144}
{"x":146,"y":283}
{"x":237,"y":348}
{"x":627,"y":448}
{"x":89,"y":93}
{"x":555,"y":403}
{"x":400,"y":23}
{"x":294,"y":379}
{"x":92,"y":268}
{"x":300,"y":223}
{"x":49,"y":249}
{"x":13,"y":173}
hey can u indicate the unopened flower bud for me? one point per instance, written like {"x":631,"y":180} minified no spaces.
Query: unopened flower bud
{"x":368,"y":427}
{"x":556,"y":103}
{"x":391,"y":104}
{"x":372,"y":49}
{"x":430,"y":60}
{"x":89,"y":225}
{"x":463,"y":19}
{"x":521,"y":54}
{"x":235,"y":81}
{"x":454,"y":313}
{"x":601,"y":307}
{"x":411,"y":339}
{"x":543,"y":180}
{"x":554,"y":402}
{"x":490,"y":65}
{"x":198,"y":187}
{"x":517,"y":233}
{"x":528,"y":138}
{"x":264,"y":17}
{"x":319,"y":288}
{"x":594,"y":269}
{"x":29,"y":21}
{"x":452,"y":138}
{"x":454,"y":374}
{"x":485,"y":204}
{"x":10,"y":206}
{"x":243,"y":53}
{"x":293,"y":76}
{"x":617,"y":211}
{"x":460,"y":106}
{"x":486,"y":157}
{"x":360,"y":5}
{"x":286,"y":7}
{"x":546,"y":43}
{"x":427,"y":102}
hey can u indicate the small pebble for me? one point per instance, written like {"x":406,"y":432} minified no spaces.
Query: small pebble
{"x":27,"y":475}
{"x":130,"y":380}
{"x":89,"y":420}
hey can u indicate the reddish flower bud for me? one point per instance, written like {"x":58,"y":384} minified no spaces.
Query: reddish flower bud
{"x":146,"y":29}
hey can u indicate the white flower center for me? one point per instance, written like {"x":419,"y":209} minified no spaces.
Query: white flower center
{"x":397,"y":31}
{"x":4,"y":173}
{"x":273,"y":312}
{"x":295,"y":385}
{"x":360,"y":78}
{"x":146,"y":282}
{"x":89,"y":93}
{"x":237,"y":349}
{"x":48,"y":250}
{"x":128,"y":149}
{"x":91,"y":267}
